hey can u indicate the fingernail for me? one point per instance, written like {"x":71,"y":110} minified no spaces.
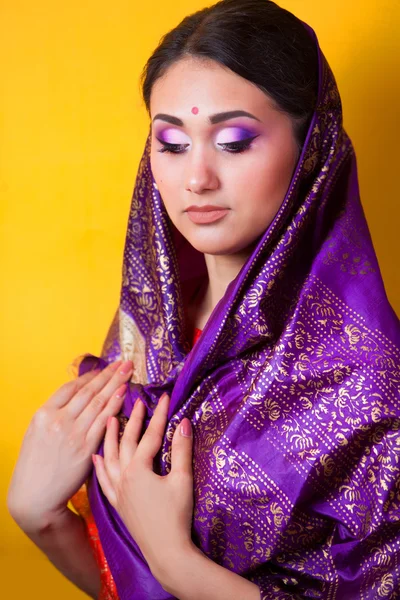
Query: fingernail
{"x":186,"y":428}
{"x":121,"y":391}
{"x":114,"y":366}
{"x":136,"y":402}
{"x":126,"y":367}
{"x":94,"y":458}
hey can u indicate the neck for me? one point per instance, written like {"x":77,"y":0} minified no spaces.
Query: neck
{"x":222,"y":269}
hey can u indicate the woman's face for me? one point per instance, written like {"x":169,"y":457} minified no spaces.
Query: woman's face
{"x":203,"y":152}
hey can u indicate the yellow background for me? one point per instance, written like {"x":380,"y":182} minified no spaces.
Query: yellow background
{"x":72,"y":132}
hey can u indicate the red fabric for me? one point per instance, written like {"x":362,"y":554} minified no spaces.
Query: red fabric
{"x":196,"y":335}
{"x":80,"y":502}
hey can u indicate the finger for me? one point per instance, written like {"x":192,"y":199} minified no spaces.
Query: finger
{"x":131,"y":437}
{"x":64,"y":394}
{"x":97,"y":392}
{"x":182,"y":448}
{"x":111,"y":452}
{"x":104,"y":479}
{"x":151,"y":441}
{"x":80,"y":400}
{"x":95,"y":425}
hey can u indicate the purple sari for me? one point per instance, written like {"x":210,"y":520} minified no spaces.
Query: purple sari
{"x":292,"y":389}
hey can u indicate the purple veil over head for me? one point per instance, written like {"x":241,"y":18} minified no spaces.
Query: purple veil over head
{"x":292,"y":388}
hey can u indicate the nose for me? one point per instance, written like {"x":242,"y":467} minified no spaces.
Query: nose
{"x":200,"y":174}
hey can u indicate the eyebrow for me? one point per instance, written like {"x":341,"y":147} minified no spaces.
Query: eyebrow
{"x":214,"y":119}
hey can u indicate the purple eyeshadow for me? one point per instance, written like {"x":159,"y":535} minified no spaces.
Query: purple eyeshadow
{"x":229,"y":134}
{"x":234,"y":134}
{"x":172,"y":136}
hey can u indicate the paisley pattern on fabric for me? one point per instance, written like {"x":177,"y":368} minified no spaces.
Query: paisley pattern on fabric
{"x":292,"y":389}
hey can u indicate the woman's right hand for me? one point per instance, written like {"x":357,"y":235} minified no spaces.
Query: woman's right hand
{"x":55,"y":457}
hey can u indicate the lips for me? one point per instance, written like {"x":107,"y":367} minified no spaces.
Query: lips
{"x":206,"y":208}
{"x":206,"y":214}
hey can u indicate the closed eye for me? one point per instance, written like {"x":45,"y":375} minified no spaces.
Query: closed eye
{"x":231,"y":147}
{"x":174,"y":148}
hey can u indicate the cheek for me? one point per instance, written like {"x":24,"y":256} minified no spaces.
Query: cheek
{"x":168,"y":180}
{"x":270,"y":175}
{"x":272,"y":180}
{"x":158,"y":168}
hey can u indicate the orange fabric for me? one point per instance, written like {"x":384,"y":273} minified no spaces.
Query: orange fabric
{"x":80,"y":502}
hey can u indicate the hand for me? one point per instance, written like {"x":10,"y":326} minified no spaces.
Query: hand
{"x":55,"y":456}
{"x":157,"y":510}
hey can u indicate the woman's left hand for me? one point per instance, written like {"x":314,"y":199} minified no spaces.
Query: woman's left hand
{"x":157,"y":510}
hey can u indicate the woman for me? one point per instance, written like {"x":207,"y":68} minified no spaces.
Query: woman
{"x":288,"y":401}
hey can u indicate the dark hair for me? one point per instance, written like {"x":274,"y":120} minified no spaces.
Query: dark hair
{"x":258,"y":40}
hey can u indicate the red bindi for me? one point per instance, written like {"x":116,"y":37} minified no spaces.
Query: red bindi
{"x":195,"y":110}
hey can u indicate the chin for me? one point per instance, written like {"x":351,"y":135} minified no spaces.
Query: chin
{"x":216,"y":247}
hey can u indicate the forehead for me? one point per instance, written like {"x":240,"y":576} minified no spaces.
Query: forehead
{"x":207,"y":85}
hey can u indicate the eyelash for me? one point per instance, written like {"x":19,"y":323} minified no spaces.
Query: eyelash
{"x":231,"y":147}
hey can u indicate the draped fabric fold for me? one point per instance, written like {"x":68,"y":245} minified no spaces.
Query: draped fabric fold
{"x":292,"y":389}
